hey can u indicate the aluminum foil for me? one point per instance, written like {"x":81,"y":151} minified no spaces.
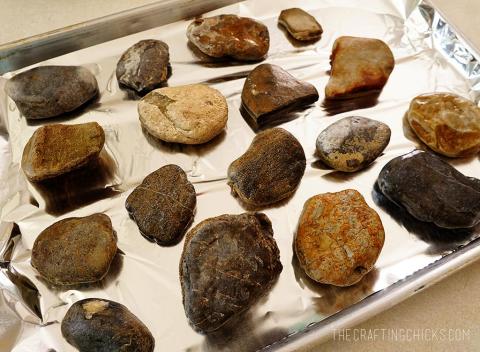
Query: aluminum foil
{"x":429,"y":57}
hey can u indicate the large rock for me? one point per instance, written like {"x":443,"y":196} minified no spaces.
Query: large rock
{"x":300,"y":24}
{"x":49,"y":91}
{"x":227,"y":264}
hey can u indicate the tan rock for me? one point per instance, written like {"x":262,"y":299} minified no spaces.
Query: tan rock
{"x":300,"y":24}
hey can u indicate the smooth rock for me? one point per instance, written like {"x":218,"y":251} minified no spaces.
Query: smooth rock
{"x":240,"y":38}
{"x":352,"y":143}
{"x":163,"y":205}
{"x":56,"y":149}
{"x":191,"y":114}
{"x":75,"y":251}
{"x":49,"y":91}
{"x":339,"y":238}
{"x":270,"y":170}
{"x":359,"y":65}
{"x":447,"y":123}
{"x":95,"y":324}
{"x":227,"y":264}
{"x":431,"y":190}
{"x":300,"y":24}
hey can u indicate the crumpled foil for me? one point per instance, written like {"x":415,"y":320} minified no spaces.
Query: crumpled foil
{"x":429,"y":57}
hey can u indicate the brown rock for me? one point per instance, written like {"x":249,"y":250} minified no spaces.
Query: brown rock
{"x":300,"y":24}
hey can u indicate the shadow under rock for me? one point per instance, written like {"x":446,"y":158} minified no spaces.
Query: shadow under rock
{"x":361,"y":100}
{"x":295,"y":42}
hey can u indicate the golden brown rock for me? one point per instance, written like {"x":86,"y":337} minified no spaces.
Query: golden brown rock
{"x":300,"y":24}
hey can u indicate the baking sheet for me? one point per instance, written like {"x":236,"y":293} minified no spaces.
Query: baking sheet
{"x":144,"y":276}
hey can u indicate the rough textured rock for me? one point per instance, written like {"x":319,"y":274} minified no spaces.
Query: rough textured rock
{"x":95,"y":324}
{"x":359,"y":65}
{"x":339,"y":238}
{"x":352,"y":143}
{"x":300,"y":24}
{"x":241,"y":38}
{"x":431,"y":190}
{"x":191,"y":114}
{"x":269,"y":89}
{"x":227,"y":264}
{"x":56,"y":149}
{"x":270,"y":170}
{"x":144,"y":66}
{"x":163,"y":205}
{"x":75,"y":250}
{"x":49,"y":91}
{"x":447,"y":123}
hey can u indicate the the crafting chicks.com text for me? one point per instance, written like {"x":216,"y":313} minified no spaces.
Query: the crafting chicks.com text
{"x":401,"y":335}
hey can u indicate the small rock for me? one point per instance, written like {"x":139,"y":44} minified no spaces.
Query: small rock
{"x":339,"y":238}
{"x":95,"y":324}
{"x":431,"y":190}
{"x":227,"y":264}
{"x":49,"y":91}
{"x":352,"y":143}
{"x":75,"y":251}
{"x":300,"y":24}
{"x":191,"y":114}
{"x":447,"y":123}
{"x":56,"y":149}
{"x":269,"y":89}
{"x":241,"y":38}
{"x":270,"y":170}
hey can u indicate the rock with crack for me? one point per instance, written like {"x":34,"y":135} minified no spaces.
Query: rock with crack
{"x":300,"y":24}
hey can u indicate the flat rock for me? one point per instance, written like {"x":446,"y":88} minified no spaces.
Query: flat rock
{"x":191,"y":114}
{"x":144,"y":66}
{"x":270,"y":170}
{"x":227,"y":264}
{"x":49,"y":91}
{"x":447,"y":123}
{"x":359,"y":65}
{"x":95,"y":324}
{"x":269,"y":89}
{"x":300,"y":24}
{"x":352,"y":143}
{"x":431,"y":190}
{"x":240,"y":38}
{"x":56,"y":149}
{"x":339,"y":238}
{"x":75,"y":251}
{"x":163,"y":205}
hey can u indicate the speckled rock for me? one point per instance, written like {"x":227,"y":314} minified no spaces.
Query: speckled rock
{"x":144,"y":66}
{"x":447,"y":123}
{"x":95,"y":324}
{"x":191,"y":114}
{"x":227,"y":264}
{"x":269,"y":89}
{"x":352,"y":143}
{"x":56,"y":149}
{"x":270,"y":170}
{"x":359,"y":65}
{"x":49,"y":91}
{"x":75,"y":250}
{"x":163,"y":205}
{"x":240,"y":38}
{"x":431,"y":190}
{"x":300,"y":24}
{"x":339,"y":238}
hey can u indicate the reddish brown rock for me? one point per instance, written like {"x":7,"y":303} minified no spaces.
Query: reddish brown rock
{"x":300,"y":24}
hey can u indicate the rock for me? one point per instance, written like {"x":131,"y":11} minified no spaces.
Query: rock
{"x":359,"y":65}
{"x":339,"y":238}
{"x":227,"y":264}
{"x":447,"y":123}
{"x":75,"y":251}
{"x":300,"y":24}
{"x":269,"y":89}
{"x":431,"y":190}
{"x":95,"y":324}
{"x":240,"y":38}
{"x":49,"y":91}
{"x":144,"y":66}
{"x":270,"y":170}
{"x":163,"y":205}
{"x":191,"y":114}
{"x":56,"y":149}
{"x":352,"y":143}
